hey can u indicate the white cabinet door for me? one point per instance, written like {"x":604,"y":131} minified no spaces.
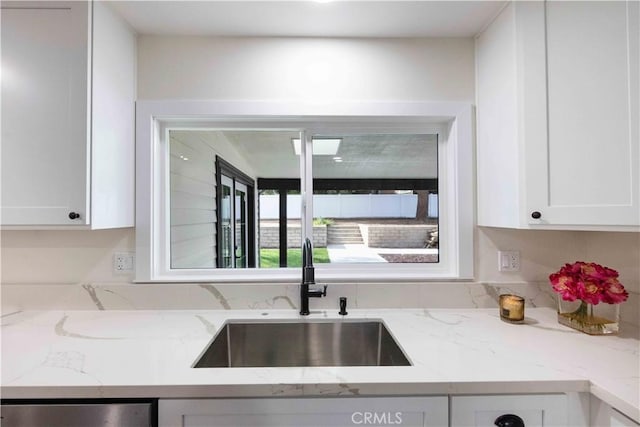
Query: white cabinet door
{"x":533,"y":410}
{"x":45,"y":68}
{"x":68,"y":95}
{"x":112,"y":120}
{"x":511,"y":111}
{"x":558,"y":144}
{"x":304,"y":412}
{"x":586,"y":172}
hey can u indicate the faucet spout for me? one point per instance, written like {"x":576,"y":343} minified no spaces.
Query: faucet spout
{"x":308,"y":278}
{"x":308,"y":272}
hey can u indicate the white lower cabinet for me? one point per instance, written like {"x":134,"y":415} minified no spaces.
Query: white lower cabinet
{"x":432,"y":411}
{"x":542,"y":410}
{"x":603,"y":415}
{"x":616,"y":419}
{"x":571,"y":409}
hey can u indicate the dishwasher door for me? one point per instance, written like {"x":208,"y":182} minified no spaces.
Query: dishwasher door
{"x":77,"y":415}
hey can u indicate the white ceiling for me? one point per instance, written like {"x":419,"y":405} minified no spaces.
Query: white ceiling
{"x":306,"y":18}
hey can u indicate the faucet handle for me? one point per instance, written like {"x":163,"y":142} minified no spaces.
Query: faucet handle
{"x":318,"y":293}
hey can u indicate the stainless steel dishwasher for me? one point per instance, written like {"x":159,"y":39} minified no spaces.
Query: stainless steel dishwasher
{"x":78,"y":414}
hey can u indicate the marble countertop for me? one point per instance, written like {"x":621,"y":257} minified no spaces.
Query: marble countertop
{"x":103,"y":354}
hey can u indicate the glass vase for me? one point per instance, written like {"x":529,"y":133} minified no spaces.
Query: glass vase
{"x":598,"y":319}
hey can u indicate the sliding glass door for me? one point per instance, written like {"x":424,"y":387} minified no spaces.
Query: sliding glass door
{"x":234,"y":224}
{"x":241,"y":226}
{"x":226,"y":221}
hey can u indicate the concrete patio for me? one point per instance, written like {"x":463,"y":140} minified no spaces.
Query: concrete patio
{"x":357,"y":253}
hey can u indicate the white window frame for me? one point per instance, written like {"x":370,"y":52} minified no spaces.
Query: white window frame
{"x":453,"y":122}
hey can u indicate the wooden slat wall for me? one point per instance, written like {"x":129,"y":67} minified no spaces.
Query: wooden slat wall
{"x":193,"y":193}
{"x":193,"y":203}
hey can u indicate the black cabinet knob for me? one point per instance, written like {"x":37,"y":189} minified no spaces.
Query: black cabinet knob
{"x":74,"y":215}
{"x":536,"y":215}
{"x":509,"y":420}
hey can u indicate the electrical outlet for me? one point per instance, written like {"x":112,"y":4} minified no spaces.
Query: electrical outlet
{"x":508,"y":260}
{"x":123,"y":262}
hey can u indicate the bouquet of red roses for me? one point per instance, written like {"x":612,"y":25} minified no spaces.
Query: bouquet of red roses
{"x":588,"y":282}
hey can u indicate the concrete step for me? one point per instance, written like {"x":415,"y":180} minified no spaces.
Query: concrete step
{"x":344,"y":241}
{"x":343,"y":228}
{"x":344,"y":234}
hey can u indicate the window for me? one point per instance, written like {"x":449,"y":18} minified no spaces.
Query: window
{"x":231,"y":195}
{"x":371,"y":195}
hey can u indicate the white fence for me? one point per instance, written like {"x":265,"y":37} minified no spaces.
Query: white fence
{"x":432,"y":205}
{"x":350,"y":206}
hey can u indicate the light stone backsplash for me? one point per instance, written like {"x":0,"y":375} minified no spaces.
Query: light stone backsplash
{"x":116,"y":296}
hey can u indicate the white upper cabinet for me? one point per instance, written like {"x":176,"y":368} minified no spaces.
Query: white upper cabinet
{"x":558,"y":117}
{"x":68,"y":92}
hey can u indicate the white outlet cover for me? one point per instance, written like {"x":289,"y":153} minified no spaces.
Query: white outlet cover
{"x":123,"y":262}
{"x":508,"y":260}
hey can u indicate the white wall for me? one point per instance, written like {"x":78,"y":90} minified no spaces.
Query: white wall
{"x":305,"y":69}
{"x":63,"y":256}
{"x":86,"y":257}
{"x":544,"y":252}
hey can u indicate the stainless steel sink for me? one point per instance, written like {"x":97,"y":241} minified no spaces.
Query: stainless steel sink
{"x":309,"y":343}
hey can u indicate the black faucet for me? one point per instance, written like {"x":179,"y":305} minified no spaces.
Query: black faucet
{"x":308,"y":278}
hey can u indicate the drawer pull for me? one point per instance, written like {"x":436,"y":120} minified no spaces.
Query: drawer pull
{"x":509,"y":420}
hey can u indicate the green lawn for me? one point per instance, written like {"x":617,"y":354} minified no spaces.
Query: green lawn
{"x":270,"y":258}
